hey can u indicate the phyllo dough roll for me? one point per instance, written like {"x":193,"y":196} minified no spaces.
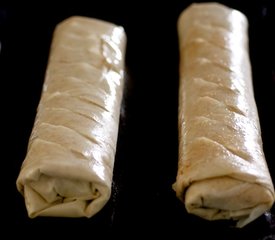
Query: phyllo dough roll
{"x":68,"y":167}
{"x":222,"y":171}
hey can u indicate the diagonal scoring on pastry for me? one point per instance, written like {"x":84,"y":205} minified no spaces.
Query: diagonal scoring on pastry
{"x":222,"y":171}
{"x":68,"y":167}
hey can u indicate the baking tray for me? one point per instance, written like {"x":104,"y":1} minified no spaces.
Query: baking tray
{"x":142,"y":200}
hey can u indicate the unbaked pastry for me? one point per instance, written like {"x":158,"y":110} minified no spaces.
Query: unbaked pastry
{"x":222,"y":171}
{"x":69,"y":163}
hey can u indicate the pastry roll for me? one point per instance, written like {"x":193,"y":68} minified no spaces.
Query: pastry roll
{"x":69,"y":163}
{"x":222,"y":171}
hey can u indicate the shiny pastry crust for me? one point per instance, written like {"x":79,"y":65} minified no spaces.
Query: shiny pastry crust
{"x":222,"y":171}
{"x":68,"y":167}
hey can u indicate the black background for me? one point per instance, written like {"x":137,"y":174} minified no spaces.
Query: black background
{"x":143,"y":202}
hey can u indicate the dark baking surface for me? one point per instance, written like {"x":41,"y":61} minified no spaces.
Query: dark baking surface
{"x":143,"y":202}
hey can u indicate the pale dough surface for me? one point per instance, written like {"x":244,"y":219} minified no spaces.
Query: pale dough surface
{"x":222,"y":171}
{"x":69,"y":163}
